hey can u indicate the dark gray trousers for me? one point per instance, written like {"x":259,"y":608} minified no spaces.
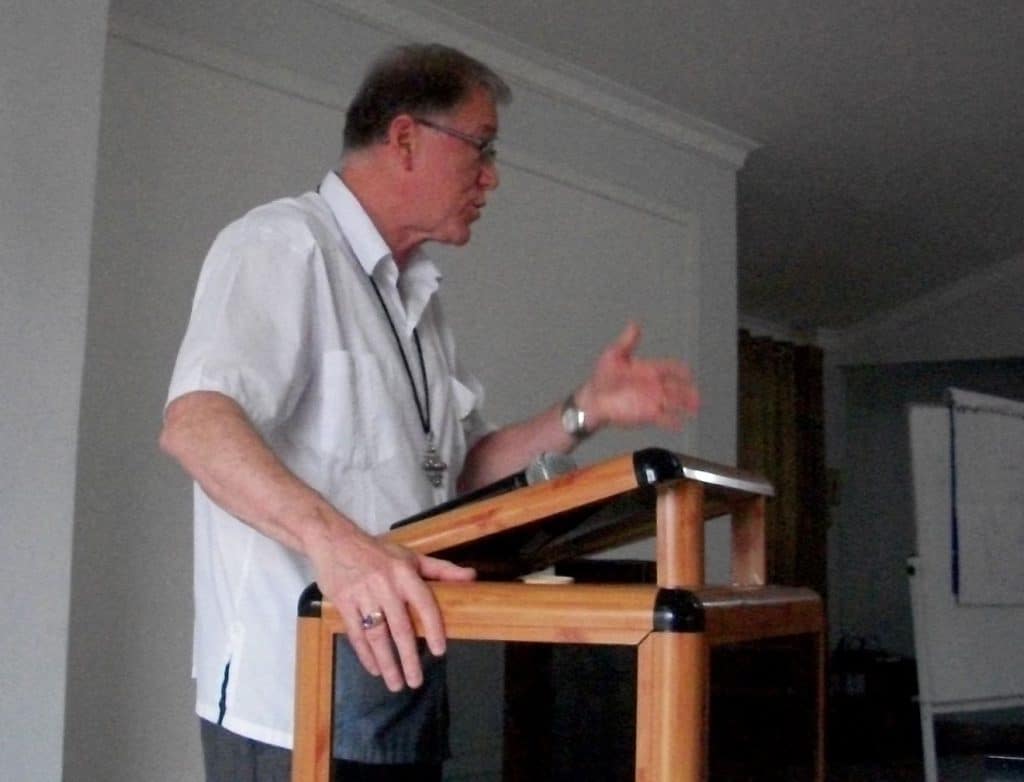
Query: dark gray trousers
{"x":228,"y":757}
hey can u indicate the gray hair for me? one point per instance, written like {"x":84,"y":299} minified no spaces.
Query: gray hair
{"x":416,"y":79}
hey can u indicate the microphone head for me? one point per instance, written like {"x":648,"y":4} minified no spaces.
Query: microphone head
{"x":547,"y":466}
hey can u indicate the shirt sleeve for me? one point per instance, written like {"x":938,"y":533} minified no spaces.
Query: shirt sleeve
{"x":248,"y":334}
{"x":469,"y":394}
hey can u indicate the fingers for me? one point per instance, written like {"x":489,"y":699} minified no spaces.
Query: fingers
{"x":378,"y":633}
{"x":436,"y":569}
{"x":378,"y":613}
{"x":421,"y":601}
{"x":675,"y":398}
{"x":677,"y":387}
{"x":426,"y":608}
{"x":353,"y":619}
{"x":397,"y":630}
{"x":626,"y":342}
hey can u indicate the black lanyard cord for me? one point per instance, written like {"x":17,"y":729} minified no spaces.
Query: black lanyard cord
{"x":422,"y":411}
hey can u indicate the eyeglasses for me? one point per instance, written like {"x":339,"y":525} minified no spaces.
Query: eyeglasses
{"x":485,"y":146}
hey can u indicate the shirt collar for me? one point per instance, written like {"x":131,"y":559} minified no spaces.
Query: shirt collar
{"x":421,"y":278}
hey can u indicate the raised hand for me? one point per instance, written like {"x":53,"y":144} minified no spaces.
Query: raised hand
{"x":628,"y":391}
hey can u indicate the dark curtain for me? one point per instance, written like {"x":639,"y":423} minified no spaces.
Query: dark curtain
{"x":781,"y":435}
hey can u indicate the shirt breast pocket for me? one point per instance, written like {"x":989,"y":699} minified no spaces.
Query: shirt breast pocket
{"x":358,"y":425}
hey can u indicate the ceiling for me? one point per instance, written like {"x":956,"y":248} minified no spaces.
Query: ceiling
{"x":892,"y":133}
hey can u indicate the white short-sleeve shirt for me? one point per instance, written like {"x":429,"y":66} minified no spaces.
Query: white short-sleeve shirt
{"x":286,"y":323}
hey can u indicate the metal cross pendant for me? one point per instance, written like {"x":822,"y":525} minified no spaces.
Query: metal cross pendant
{"x":433,"y":465}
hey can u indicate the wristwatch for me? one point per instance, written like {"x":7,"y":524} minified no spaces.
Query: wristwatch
{"x":574,"y":420}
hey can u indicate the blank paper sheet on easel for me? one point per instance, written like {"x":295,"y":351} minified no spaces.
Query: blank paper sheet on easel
{"x":988,"y":495}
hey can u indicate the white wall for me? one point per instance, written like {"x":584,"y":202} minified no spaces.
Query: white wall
{"x":178,"y":159}
{"x":211,"y":108}
{"x":51,"y":57}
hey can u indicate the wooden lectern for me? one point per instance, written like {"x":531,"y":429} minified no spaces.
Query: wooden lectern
{"x":672,"y":624}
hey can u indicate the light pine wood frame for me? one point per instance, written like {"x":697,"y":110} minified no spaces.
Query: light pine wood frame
{"x":671,"y":624}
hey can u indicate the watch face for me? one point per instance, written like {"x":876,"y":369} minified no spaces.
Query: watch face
{"x":572,"y":420}
{"x":568,"y":420}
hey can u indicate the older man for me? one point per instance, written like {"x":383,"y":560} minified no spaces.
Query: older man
{"x":318,"y":397}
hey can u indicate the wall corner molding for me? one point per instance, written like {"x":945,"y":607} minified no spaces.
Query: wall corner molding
{"x":551,"y":76}
{"x":904,"y":316}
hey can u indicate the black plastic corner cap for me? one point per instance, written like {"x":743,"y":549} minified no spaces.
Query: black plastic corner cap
{"x":310,"y":602}
{"x":656,"y":465}
{"x":678,"y":611}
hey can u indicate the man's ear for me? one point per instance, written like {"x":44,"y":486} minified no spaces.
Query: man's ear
{"x":403,"y":138}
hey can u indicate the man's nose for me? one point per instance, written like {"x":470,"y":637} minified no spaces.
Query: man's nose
{"x":489,"y":174}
